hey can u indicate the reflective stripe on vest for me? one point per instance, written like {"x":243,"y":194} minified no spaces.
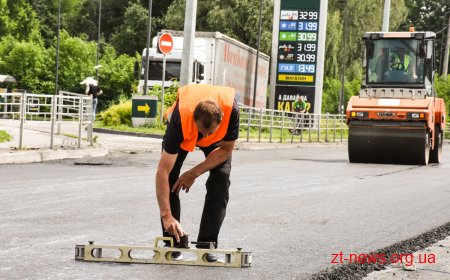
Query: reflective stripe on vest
{"x":188,"y":98}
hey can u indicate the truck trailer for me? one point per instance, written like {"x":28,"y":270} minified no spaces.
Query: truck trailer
{"x":218,"y":60}
{"x":397,"y":117}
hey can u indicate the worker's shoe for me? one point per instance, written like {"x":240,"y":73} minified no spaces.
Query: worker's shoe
{"x":211,"y":257}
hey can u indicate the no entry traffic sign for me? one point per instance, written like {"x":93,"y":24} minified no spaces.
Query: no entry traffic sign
{"x":165,"y":43}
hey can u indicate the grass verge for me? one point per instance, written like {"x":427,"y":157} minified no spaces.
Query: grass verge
{"x":4,"y":136}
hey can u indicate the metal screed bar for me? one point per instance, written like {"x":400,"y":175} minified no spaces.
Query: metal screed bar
{"x":161,"y":255}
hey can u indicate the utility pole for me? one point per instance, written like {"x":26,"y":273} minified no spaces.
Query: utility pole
{"x":188,"y":42}
{"x":344,"y":59}
{"x":257,"y":53}
{"x":57,"y":48}
{"x":149,"y":28}
{"x":386,"y":14}
{"x":98,"y":38}
{"x":447,"y":47}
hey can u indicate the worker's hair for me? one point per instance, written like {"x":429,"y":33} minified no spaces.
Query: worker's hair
{"x":208,"y":112}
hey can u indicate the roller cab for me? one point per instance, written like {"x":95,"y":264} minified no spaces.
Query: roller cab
{"x":397,"y":117}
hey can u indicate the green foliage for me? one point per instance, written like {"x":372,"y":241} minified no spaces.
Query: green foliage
{"x":24,"y":24}
{"x":47,"y":14}
{"x":120,"y":114}
{"x":330,"y":95}
{"x":77,"y":61}
{"x":27,"y":61}
{"x":116,"y":76}
{"x":5,"y":20}
{"x":128,"y":39}
{"x":84,"y":20}
{"x":170,"y":94}
{"x":116,"y":115}
{"x":442,"y":86}
{"x":4,"y":136}
{"x":240,"y":18}
{"x":234,"y":18}
{"x":20,"y":21}
{"x":331,"y":92}
{"x":363,"y":15}
{"x":333,"y":64}
{"x":429,"y":15}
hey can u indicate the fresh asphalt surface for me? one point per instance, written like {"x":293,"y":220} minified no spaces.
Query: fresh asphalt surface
{"x":293,"y":208}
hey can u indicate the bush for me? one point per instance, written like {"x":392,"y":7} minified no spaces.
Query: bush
{"x":443,"y":90}
{"x":119,"y":114}
{"x":170,"y":94}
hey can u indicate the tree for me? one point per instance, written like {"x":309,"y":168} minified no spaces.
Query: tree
{"x":240,"y":18}
{"x":84,"y":20}
{"x":363,"y":16}
{"x":334,"y":36}
{"x":129,"y":37}
{"x":116,"y":76}
{"x":430,"y":15}
{"x":5,"y":21}
{"x":77,"y":61}
{"x":23,"y":23}
{"x":47,"y":12}
{"x":26,"y":61}
{"x":235,"y":18}
{"x":174,"y":17}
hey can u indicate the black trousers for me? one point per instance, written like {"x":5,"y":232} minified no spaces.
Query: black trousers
{"x":216,"y":198}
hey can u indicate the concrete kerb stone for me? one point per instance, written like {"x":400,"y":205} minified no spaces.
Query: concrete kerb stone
{"x":18,"y":157}
{"x":36,"y":144}
{"x":36,"y":156}
{"x":79,"y":153}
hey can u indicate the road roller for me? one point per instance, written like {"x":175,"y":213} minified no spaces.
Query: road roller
{"x":397,"y":117}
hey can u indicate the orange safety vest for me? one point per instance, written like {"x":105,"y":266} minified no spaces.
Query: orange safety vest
{"x":188,"y":98}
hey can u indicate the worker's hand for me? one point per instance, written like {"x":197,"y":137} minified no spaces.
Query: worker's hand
{"x":184,"y":182}
{"x":173,"y":227}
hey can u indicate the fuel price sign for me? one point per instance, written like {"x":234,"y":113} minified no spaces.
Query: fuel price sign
{"x":297,"y":52}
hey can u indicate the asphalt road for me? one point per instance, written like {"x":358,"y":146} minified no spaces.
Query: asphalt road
{"x":293,"y":208}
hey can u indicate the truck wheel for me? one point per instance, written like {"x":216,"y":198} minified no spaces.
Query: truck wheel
{"x":436,"y":154}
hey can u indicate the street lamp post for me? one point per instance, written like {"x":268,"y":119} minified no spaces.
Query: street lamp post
{"x":446,"y":54}
{"x":443,"y":45}
{"x":149,"y":28}
{"x":57,"y":48}
{"x":257,"y":53}
{"x":98,"y":39}
{"x":344,"y":58}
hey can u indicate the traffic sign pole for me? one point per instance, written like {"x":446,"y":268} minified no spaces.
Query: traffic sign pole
{"x":165,"y":45}
{"x":162,"y":92}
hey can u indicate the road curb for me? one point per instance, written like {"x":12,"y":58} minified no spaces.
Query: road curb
{"x":18,"y":157}
{"x":126,"y":133}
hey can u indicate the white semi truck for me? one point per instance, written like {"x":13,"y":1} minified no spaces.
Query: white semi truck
{"x":224,"y":61}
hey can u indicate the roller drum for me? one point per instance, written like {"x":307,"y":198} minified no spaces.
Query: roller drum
{"x":388,"y":142}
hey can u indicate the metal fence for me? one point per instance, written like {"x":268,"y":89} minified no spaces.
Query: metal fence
{"x":56,"y":109}
{"x":265,"y":125}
